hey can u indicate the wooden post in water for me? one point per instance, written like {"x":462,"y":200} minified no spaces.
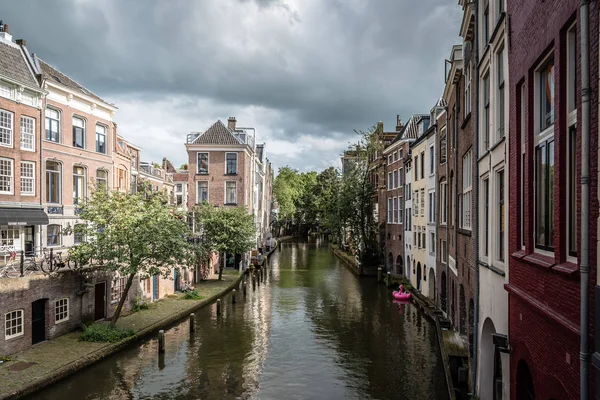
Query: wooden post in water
{"x":192,"y":323}
{"x":233,"y":297}
{"x":218,"y":306}
{"x":161,"y":341}
{"x":379,"y":274}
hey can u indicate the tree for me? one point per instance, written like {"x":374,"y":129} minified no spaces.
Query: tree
{"x":287,"y":191}
{"x":132,"y":234}
{"x":226,"y":229}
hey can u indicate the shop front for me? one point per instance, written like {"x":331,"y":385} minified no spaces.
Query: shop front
{"x":20,"y":229}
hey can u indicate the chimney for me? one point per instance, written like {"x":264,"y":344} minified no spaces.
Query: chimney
{"x":21,"y":42}
{"x":380,"y":126}
{"x":399,"y":124}
{"x":231,"y":123}
{"x":4,"y":32}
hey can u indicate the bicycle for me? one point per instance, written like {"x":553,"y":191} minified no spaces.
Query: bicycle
{"x":52,"y":262}
{"x":12,"y":268}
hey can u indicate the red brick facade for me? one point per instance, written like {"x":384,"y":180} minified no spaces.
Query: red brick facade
{"x":544,"y":286}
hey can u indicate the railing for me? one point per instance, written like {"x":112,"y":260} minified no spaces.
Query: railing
{"x":56,"y":210}
{"x":150,"y":170}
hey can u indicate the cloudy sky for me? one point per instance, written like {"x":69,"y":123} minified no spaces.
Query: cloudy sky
{"x":304,"y":73}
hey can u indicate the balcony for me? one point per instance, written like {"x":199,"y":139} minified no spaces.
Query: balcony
{"x":244,"y":138}
{"x":148,"y":169}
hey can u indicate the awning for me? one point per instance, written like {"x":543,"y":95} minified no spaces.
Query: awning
{"x":23,"y":216}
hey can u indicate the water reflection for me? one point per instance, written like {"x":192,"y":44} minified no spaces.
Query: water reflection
{"x":310,"y":330}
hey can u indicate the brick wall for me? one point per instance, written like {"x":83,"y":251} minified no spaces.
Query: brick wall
{"x":441,"y":231}
{"x":394,"y":232}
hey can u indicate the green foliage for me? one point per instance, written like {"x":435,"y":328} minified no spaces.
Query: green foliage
{"x":5,"y":358}
{"x":184,"y":167}
{"x":140,"y":304}
{"x":105,"y":333}
{"x":193,"y":295}
{"x":287,"y":191}
{"x":132,"y":234}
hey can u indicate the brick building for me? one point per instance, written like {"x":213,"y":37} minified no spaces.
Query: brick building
{"x":125,"y":164}
{"x":545,"y":112}
{"x":21,"y":101}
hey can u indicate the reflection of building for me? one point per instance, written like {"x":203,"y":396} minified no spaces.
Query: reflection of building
{"x":21,"y":213}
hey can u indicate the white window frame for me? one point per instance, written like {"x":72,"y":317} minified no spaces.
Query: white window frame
{"x":58,"y":123}
{"x":198,"y":191}
{"x":82,"y":126}
{"x":102,"y":133}
{"x":400,"y":210}
{"x":11,"y":176}
{"x":61,"y":308}
{"x":400,"y":177}
{"x":59,"y":234}
{"x":389,"y":159}
{"x":390,"y":210}
{"x":236,"y":163}
{"x":103,"y":180}
{"x":395,"y":210}
{"x":116,"y":288}
{"x":389,"y":181}
{"x":422,"y":206}
{"x":571,"y":231}
{"x":432,"y":241}
{"x":207,"y":162}
{"x":395,"y":177}
{"x":27,"y":125}
{"x":7,"y":90}
{"x":443,"y":255}
{"x":500,"y":94}
{"x":468,"y":78}
{"x":432,"y":161}
{"x":486,"y":112}
{"x":75,"y":177}
{"x":522,"y":171}
{"x":31,"y":178}
{"x":235,"y":192}
{"x":467,"y":189}
{"x":444,"y":203}
{"x":486,"y":220}
{"x":18,"y":317}
{"x":7,"y":127}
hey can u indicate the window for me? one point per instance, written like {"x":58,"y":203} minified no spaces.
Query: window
{"x":422,"y":202}
{"x":101,"y":178}
{"x":416,"y":168}
{"x":546,"y":93}
{"x":203,"y":163}
{"x":390,"y":181}
{"x":486,"y":113}
{"x":231,"y":159}
{"x":6,"y":90}
{"x":54,"y":236}
{"x":572,"y":69}
{"x":400,"y":154}
{"x":179,"y":199}
{"x":6,"y":176}
{"x":52,"y":125}
{"x":500,"y":93}
{"x":78,"y":185}
{"x":500,"y":180}
{"x":443,"y":203}
{"x":400,"y":210}
{"x":467,"y":186}
{"x":230,"y":192}
{"x":390,"y":208}
{"x":422,"y":164}
{"x":395,"y":156}
{"x":500,"y":7}
{"x":395,"y":183}
{"x":467,"y":89}
{"x":27,"y":178}
{"x":179,"y":187}
{"x":572,"y":141}
{"x":101,"y":139}
{"x":27,"y":133}
{"x":452,"y":200}
{"x":408,"y":191}
{"x":13,"y":324}
{"x":121,"y":179}
{"x":416,"y":208}
{"x":432,"y":249}
{"x":443,"y":145}
{"x":521,"y":125}
{"x":9,"y":236}
{"x":395,"y":213}
{"x":444,"y":255}
{"x":6,"y":128}
{"x":117,"y":288}
{"x":79,"y":132}
{"x":400,"y":177}
{"x":78,"y":235}
{"x":431,"y":207}
{"x":61,"y":310}
{"x":202,"y":193}
{"x":431,"y":160}
{"x":389,"y":161}
{"x":486,"y":25}
{"x":486,"y":216}
{"x":544,"y":195}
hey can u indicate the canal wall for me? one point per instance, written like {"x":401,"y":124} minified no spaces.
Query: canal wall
{"x":346,"y":259}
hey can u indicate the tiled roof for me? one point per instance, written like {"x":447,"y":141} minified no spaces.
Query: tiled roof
{"x":180,"y":177}
{"x":53,"y":75}
{"x":218,"y":133}
{"x":14,"y":67}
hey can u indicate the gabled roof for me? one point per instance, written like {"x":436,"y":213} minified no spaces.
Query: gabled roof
{"x":14,"y":67}
{"x":218,"y":133}
{"x":55,"y":76}
{"x":412,"y":127}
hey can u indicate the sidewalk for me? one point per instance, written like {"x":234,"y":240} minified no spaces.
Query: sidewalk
{"x":47,"y":362}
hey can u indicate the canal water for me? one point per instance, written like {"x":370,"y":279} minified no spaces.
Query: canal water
{"x":311,"y":330}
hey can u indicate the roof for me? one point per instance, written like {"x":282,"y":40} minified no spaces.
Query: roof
{"x":218,"y":133}
{"x":180,"y":177}
{"x":55,"y":76}
{"x":13,"y":65}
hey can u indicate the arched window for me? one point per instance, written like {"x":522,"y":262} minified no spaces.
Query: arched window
{"x":53,"y":179}
{"x":78,"y":184}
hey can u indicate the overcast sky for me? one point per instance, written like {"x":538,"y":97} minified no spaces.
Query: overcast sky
{"x":304,"y":73}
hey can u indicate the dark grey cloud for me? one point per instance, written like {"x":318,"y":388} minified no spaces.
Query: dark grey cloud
{"x":315,"y":67}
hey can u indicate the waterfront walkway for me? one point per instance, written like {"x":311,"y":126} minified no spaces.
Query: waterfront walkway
{"x":47,"y":362}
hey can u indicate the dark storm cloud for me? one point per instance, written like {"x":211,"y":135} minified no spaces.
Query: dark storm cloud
{"x":323,"y":66}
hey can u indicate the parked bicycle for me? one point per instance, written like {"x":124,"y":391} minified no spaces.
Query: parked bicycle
{"x":52,"y":261}
{"x":12,"y":267}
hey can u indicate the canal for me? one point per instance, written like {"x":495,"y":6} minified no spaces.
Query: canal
{"x":311,"y":330}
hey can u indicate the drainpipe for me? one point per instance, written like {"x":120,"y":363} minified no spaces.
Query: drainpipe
{"x":455,"y":183}
{"x":476,"y":200}
{"x":584,"y":268}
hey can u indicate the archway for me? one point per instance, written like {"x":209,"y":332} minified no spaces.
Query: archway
{"x":462,"y":327}
{"x":419,"y":276}
{"x":390,"y":262}
{"x":490,"y":380}
{"x":524,"y":382}
{"x":444,"y":292}
{"x":431,"y":279}
{"x":399,"y":265}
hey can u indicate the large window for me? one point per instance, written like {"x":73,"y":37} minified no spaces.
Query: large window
{"x":389,"y":181}
{"x":486,"y":113}
{"x":572,"y":141}
{"x":486,"y":25}
{"x":231,"y":192}
{"x":78,"y":185}
{"x":422,"y":164}
{"x":202,"y":192}
{"x":27,"y":178}
{"x":500,"y":108}
{"x":61,"y":310}
{"x":485,"y":193}
{"x":467,"y":189}
{"x":521,"y":108}
{"x":232,"y":161}
{"x":544,"y":195}
{"x":13,"y":324}
{"x":422,"y":202}
{"x":443,"y":203}
{"x":416,"y":168}
{"x":6,"y":128}
{"x":179,"y":199}
{"x":78,"y":132}
{"x":416,"y":207}
{"x":6,"y":175}
{"x":179,"y":187}
{"x":400,"y":210}
{"x":117,"y":288}
{"x":395,"y":213}
{"x":9,"y":236}
{"x":54,"y":235}
{"x":27,"y":133}
{"x":444,"y":254}
{"x":431,"y":160}
{"x":395,"y":175}
{"x":203,"y":163}
{"x":467,"y":89}
{"x":400,"y":177}
{"x":500,"y":205}
{"x":101,"y":178}
{"x":52,"y":125}
{"x":52,"y":182}
{"x":546,"y":93}
{"x":390,"y":209}
{"x":443,"y":145}
{"x":101,"y":139}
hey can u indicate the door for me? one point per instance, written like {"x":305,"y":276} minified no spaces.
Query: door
{"x":100,"y":301}
{"x":38,"y":321}
{"x":155,"y":287}
{"x":29,"y":240}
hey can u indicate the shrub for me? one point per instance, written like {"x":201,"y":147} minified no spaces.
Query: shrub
{"x":105,"y":333}
{"x":139,"y":305}
{"x":193,"y":295}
